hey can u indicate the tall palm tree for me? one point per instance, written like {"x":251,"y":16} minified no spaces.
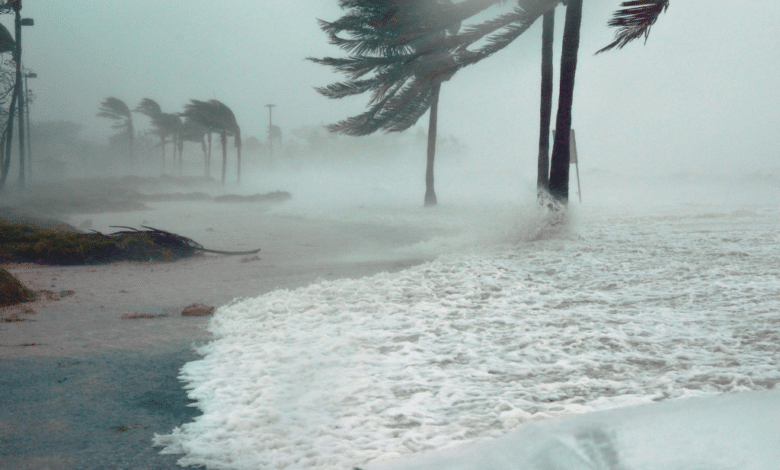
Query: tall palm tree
{"x":559,"y":164}
{"x":388,"y":40}
{"x":545,"y":112}
{"x":166,"y":125}
{"x":116,"y":110}
{"x":216,"y":117}
{"x":633,"y":20}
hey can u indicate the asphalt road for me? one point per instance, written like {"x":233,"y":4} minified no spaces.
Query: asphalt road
{"x":98,"y":411}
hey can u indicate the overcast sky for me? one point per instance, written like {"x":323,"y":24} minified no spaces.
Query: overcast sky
{"x":702,"y":94}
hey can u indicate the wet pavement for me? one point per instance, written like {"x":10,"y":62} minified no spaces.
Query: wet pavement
{"x":98,"y":411}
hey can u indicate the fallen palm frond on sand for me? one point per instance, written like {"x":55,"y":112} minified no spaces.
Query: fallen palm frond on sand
{"x":23,"y":243}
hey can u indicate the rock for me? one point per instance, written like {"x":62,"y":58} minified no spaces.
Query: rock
{"x":197,"y":310}
{"x":12,"y":291}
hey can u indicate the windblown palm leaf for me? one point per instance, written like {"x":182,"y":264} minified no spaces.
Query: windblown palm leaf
{"x":116,"y":109}
{"x":634,"y":20}
{"x":149,"y":107}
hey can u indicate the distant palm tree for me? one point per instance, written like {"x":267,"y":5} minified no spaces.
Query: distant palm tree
{"x":216,"y":117}
{"x":165,"y":125}
{"x":117,"y":110}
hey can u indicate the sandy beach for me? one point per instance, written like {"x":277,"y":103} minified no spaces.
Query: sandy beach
{"x":115,"y":332}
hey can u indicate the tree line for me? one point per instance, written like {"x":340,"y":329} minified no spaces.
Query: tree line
{"x":197,"y":123}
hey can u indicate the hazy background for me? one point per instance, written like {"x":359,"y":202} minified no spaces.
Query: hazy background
{"x":700,"y":96}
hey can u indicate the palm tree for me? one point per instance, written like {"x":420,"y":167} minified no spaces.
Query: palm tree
{"x":165,"y":125}
{"x":545,"y":112}
{"x":559,"y":164}
{"x":217,"y":117}
{"x":200,"y":112}
{"x":633,"y":20}
{"x":403,"y":86}
{"x":116,"y":110}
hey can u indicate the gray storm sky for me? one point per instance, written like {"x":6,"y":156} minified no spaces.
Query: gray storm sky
{"x":701,"y":95}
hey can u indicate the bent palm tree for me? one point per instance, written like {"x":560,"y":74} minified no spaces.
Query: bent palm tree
{"x":116,"y":110}
{"x":165,"y":125}
{"x":389,"y":40}
{"x":217,"y":117}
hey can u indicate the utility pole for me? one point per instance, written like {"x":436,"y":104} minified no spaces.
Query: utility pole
{"x":29,"y":133}
{"x":18,"y":23}
{"x":270,"y":130}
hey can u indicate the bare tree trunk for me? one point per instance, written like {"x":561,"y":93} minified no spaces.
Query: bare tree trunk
{"x":559,"y":169}
{"x":543,"y":170}
{"x":430,"y":194}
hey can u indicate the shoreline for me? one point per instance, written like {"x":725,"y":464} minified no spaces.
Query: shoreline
{"x":90,"y":377}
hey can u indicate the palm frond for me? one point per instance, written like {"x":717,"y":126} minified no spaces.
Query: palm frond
{"x":634,"y":20}
{"x":348,"y":88}
{"x":114,"y":108}
{"x":499,"y":32}
{"x":148,"y":107}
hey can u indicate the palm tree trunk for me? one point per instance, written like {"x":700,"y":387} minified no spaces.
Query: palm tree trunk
{"x":559,"y":168}
{"x":224,"y":156}
{"x":543,"y":170}
{"x":181,"y":151}
{"x":203,"y":148}
{"x":162,"y":145}
{"x":131,"y":130}
{"x":430,"y":194}
{"x":208,"y":159}
{"x":238,"y":151}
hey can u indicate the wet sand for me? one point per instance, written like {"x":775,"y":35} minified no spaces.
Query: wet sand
{"x":89,"y":377}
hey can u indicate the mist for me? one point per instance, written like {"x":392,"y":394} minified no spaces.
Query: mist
{"x":366,"y":326}
{"x":696,"y":98}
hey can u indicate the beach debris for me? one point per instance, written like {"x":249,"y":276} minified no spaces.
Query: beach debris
{"x":125,"y":427}
{"x":248,"y":259}
{"x":133,"y":316}
{"x":180,"y":244}
{"x":42,"y":245}
{"x":54,"y":296}
{"x":197,"y":310}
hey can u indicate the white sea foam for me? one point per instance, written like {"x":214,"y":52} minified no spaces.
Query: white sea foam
{"x":625,"y":309}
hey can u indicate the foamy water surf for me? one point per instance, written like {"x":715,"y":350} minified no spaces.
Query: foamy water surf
{"x":621,"y":310}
